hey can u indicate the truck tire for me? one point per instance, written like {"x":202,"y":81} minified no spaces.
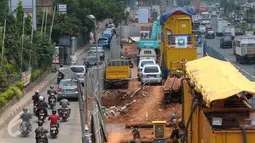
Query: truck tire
{"x":105,"y":85}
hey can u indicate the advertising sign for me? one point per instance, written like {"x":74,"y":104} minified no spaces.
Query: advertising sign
{"x":143,"y":15}
{"x":29,"y":8}
{"x":181,"y":41}
{"x":26,"y":76}
{"x":62,"y":8}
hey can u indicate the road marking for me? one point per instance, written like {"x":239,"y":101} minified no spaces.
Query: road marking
{"x":15,"y":121}
{"x":242,"y":69}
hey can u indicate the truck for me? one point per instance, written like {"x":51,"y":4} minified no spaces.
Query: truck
{"x":244,"y":49}
{"x":117,"y":71}
{"x":216,"y":107}
{"x":229,"y":30}
{"x":220,"y":25}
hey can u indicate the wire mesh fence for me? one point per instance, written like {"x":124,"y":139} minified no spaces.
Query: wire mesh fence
{"x":210,"y":51}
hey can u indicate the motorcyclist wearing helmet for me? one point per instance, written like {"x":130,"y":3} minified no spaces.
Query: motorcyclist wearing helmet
{"x":64,"y":105}
{"x":35,"y":97}
{"x":25,"y":117}
{"x":42,"y":105}
{"x":41,"y":131}
{"x":54,"y":118}
{"x":51,"y":90}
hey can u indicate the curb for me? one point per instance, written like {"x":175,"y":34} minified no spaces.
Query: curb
{"x":24,"y":104}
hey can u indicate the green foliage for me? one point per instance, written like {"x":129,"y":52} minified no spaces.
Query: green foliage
{"x":3,"y":79}
{"x":76,"y":21}
{"x":35,"y":74}
{"x":9,"y":94}
{"x":20,"y":85}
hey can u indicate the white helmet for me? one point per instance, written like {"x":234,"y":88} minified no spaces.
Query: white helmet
{"x":41,"y":98}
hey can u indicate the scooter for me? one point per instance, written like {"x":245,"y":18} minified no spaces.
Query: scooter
{"x":60,"y":77}
{"x":64,"y":114}
{"x":25,"y":129}
{"x":53,"y":131}
{"x":52,"y":100}
{"x":42,"y":139}
{"x":41,"y":115}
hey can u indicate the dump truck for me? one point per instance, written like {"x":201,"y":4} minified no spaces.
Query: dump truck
{"x":117,"y":71}
{"x":216,"y":106}
{"x":177,"y":47}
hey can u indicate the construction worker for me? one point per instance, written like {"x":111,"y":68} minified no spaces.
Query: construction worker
{"x":136,"y":134}
{"x":175,"y":132}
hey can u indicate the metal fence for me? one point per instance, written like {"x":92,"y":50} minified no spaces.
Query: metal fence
{"x":210,"y":51}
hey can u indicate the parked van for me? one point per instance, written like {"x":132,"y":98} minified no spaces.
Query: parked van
{"x":148,"y":54}
{"x":141,"y":64}
{"x":151,"y":73}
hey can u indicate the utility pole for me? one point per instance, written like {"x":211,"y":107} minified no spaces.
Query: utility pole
{"x":98,"y":79}
{"x":22,"y":44}
{"x":81,"y":106}
{"x":52,"y":22}
{"x":45,"y":29}
{"x":31,"y":45}
{"x":3,"y":43}
{"x":42,"y":22}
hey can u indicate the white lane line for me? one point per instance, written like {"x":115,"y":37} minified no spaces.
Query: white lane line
{"x":242,"y":69}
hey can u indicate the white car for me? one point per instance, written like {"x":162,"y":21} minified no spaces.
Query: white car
{"x":151,"y":73}
{"x":80,"y":71}
{"x":142,"y":63}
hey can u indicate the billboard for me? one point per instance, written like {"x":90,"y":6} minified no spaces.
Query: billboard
{"x":143,"y":15}
{"x":29,"y":8}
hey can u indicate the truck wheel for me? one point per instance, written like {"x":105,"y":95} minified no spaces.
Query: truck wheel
{"x":125,"y":85}
{"x":105,"y":85}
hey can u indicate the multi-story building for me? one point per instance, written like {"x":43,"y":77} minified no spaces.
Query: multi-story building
{"x":42,"y":5}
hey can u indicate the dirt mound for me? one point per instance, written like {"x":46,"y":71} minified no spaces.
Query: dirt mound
{"x":146,"y":107}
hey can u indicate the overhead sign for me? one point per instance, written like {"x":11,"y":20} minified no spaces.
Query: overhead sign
{"x":143,"y":15}
{"x":29,"y":9}
{"x":62,"y":8}
{"x":181,"y":41}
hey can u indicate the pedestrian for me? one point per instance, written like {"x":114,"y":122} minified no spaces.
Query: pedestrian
{"x":136,"y":134}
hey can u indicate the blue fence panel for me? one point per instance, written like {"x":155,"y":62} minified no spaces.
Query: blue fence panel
{"x":210,"y":51}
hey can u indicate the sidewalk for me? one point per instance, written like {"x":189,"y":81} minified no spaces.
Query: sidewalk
{"x":13,"y":110}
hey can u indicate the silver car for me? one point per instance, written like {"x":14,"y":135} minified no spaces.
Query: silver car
{"x":142,"y":63}
{"x":100,"y":50}
{"x":80,"y":71}
{"x":67,"y":88}
{"x":151,"y":73}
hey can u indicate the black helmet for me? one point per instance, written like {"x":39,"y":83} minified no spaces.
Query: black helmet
{"x":54,"y":111}
{"x":40,"y":123}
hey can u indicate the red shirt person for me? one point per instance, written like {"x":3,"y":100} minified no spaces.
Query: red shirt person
{"x":54,"y":118}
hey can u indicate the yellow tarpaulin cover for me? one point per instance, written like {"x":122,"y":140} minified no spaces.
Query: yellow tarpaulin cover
{"x":217,"y":79}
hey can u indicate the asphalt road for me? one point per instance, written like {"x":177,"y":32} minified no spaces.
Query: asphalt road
{"x":247,"y":70}
{"x":70,"y":131}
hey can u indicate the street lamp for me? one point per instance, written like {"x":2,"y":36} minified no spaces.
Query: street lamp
{"x":93,"y":18}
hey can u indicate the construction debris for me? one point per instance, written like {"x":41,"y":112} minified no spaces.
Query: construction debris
{"x":116,"y":111}
{"x":172,"y":83}
{"x":144,"y":125}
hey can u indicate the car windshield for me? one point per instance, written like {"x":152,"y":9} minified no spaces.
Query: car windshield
{"x":77,"y":69}
{"x":227,"y":38}
{"x":67,"y":83}
{"x":146,"y":62}
{"x":94,"y":48}
{"x":151,"y":69}
{"x":102,"y":39}
{"x":91,"y":59}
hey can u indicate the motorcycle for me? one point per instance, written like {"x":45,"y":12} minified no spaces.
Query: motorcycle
{"x":52,"y":100}
{"x":64,"y":114}
{"x":41,"y":115}
{"x":53,"y":131}
{"x":60,"y":77}
{"x":25,"y":128}
{"x":42,"y":139}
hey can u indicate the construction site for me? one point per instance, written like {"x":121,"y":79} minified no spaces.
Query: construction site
{"x":210,"y":99}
